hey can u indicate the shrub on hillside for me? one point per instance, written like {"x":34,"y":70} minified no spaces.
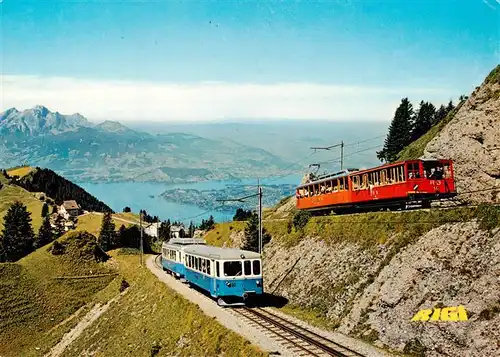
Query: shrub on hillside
{"x":79,"y":245}
{"x":124,"y":285}
{"x":57,"y":248}
{"x":489,"y":217}
{"x":300,"y":219}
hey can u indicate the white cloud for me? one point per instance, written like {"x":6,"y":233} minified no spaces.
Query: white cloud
{"x":130,"y":100}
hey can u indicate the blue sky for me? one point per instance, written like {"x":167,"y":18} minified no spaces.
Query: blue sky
{"x":73,"y":55}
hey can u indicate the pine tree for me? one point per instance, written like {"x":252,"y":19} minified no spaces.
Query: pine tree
{"x":251,"y":241}
{"x":399,"y":132}
{"x":44,"y":234}
{"x":45,"y":210}
{"x":191,"y":229}
{"x":17,"y":236}
{"x":107,"y":235}
{"x":59,"y":228}
{"x":423,"y":120}
{"x":164,"y":232}
{"x":440,"y":114}
{"x":450,"y":107}
{"x":210,"y":223}
{"x":122,"y":235}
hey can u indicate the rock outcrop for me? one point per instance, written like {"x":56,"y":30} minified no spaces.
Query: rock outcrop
{"x":374,"y":293}
{"x":472,"y":140}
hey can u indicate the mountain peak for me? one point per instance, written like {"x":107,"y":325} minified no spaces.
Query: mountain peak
{"x":112,"y":126}
{"x":39,"y":120}
{"x":8,"y":112}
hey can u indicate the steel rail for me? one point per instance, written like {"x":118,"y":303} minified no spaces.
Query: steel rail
{"x":295,"y":325}
{"x":276,"y":330}
{"x":313,"y":341}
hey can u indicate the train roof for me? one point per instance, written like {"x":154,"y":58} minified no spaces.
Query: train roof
{"x":178,"y":246}
{"x":221,"y":253}
{"x":326,"y":178}
{"x":186,"y":241}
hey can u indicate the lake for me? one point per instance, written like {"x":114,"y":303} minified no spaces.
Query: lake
{"x":146,"y":195}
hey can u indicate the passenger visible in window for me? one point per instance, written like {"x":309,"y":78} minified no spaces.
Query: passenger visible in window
{"x":439,"y":173}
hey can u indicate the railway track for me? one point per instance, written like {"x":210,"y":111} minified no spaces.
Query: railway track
{"x":297,"y":338}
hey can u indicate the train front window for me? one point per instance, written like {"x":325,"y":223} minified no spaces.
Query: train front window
{"x":232,"y":268}
{"x":248,"y":267}
{"x":256,"y":267}
{"x":434,"y":170}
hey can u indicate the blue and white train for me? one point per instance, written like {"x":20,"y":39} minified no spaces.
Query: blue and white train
{"x":231,"y":276}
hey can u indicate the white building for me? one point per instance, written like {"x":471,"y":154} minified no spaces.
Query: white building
{"x":69,"y":209}
{"x":177,"y":231}
{"x":152,"y":230}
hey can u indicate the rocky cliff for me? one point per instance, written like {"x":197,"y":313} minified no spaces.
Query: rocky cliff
{"x":368,"y":276}
{"x":472,"y":140}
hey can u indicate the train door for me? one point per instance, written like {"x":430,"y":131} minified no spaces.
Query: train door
{"x":215,"y":277}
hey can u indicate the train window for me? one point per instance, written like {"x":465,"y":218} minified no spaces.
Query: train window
{"x":355,"y":182}
{"x":446,"y":170}
{"x":364,"y":185}
{"x":413,"y":170}
{"x":217,"y":268}
{"x":208,"y":267}
{"x":434,"y":170}
{"x":248,"y":267}
{"x":383,"y":177}
{"x":256,"y":267}
{"x":401,"y":173}
{"x":232,"y":268}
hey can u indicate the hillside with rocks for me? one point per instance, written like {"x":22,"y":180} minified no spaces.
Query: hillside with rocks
{"x":367,"y":275}
{"x":472,"y":140}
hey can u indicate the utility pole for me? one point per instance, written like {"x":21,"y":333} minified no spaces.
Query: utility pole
{"x":331,"y":147}
{"x":259,"y":210}
{"x":141,"y":247}
{"x":260,"y":217}
{"x":342,"y":155}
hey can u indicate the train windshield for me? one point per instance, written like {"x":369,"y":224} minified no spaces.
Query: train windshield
{"x":232,"y":268}
{"x":256,"y":267}
{"x":436,"y":170}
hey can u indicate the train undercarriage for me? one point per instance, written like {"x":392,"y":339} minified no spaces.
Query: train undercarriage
{"x":413,"y":202}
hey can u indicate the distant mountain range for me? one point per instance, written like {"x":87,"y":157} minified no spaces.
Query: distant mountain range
{"x":111,"y":152}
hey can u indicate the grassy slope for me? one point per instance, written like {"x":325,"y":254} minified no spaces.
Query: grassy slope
{"x":151,"y":314}
{"x":130,"y":216}
{"x":222,"y":232}
{"x":92,"y":223}
{"x":416,"y":148}
{"x":11,"y":193}
{"x":32,"y":302}
{"x":20,"y":171}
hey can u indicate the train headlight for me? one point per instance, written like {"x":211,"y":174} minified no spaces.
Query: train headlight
{"x":258,"y":282}
{"x":228,"y":284}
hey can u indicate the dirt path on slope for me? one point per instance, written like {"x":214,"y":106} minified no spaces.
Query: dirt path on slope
{"x":86,"y":321}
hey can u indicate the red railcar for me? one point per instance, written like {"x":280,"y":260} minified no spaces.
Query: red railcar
{"x":398,"y":185}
